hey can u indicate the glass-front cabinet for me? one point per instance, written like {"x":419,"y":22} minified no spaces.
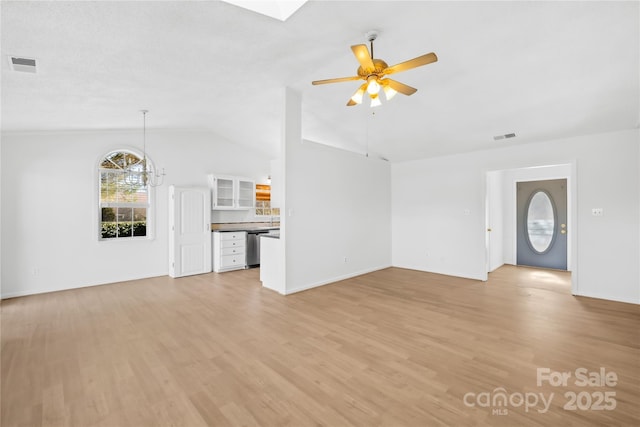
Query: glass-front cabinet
{"x":223,"y":193}
{"x":246,"y":194}
{"x":231,"y":192}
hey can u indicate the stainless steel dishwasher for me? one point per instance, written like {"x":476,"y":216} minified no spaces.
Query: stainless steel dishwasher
{"x":253,"y":247}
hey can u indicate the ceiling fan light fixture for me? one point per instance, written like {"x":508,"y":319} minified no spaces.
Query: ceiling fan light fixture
{"x":357,"y":97}
{"x":373,"y":87}
{"x":389,"y":92}
{"x":375,"y":100}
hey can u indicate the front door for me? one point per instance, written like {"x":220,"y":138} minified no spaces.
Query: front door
{"x":542,"y":223}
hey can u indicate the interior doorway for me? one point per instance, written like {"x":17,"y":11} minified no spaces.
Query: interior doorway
{"x":501,"y":216}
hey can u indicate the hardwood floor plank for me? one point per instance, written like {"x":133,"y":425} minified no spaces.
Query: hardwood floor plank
{"x":390,"y":348}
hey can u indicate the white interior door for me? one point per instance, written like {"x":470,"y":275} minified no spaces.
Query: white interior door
{"x":189,"y":231}
{"x":495,"y":221}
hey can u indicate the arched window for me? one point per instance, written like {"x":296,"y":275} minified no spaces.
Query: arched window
{"x":124,"y":196}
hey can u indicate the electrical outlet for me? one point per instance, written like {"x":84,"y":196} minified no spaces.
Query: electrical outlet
{"x":597,"y":212}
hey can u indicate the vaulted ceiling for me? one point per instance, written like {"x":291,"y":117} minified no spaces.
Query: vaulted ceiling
{"x":541,"y":70}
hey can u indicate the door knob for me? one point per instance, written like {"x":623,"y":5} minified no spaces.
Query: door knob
{"x":488,"y":229}
{"x":563,"y":231}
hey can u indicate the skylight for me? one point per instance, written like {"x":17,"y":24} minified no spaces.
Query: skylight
{"x":280,"y":10}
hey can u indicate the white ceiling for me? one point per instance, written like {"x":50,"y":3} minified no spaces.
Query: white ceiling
{"x":540,"y":69}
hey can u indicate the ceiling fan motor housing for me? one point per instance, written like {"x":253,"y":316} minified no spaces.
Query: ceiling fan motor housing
{"x":379,"y":65}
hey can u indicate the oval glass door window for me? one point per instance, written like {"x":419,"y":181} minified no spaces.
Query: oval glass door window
{"x":541,"y":222}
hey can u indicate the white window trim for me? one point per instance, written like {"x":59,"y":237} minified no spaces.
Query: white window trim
{"x":151,"y":205}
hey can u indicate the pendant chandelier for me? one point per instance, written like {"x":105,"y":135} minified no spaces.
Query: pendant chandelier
{"x":149,"y":176}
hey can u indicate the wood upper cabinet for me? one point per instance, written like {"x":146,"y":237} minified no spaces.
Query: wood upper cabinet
{"x":232,"y":192}
{"x":263,"y":193}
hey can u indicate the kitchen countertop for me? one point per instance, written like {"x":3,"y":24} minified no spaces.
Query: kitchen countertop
{"x":244,"y":227}
{"x":247,"y":229}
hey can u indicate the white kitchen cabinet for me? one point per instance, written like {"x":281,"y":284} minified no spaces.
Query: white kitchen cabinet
{"x":246,"y":194}
{"x":232,"y":192}
{"x":229,"y":250}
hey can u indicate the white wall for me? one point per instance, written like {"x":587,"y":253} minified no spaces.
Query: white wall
{"x":438,"y":216}
{"x":431,"y":232}
{"x":49,"y":212}
{"x":343,"y":204}
{"x":337,"y":205}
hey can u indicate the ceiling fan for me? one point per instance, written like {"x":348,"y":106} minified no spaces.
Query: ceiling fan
{"x":374,"y":72}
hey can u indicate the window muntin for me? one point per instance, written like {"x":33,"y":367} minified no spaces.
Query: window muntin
{"x":124,"y":196}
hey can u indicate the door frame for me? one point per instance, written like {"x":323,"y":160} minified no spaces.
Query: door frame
{"x":511,"y":220}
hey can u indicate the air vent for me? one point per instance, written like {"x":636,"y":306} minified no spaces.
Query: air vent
{"x":25,"y":65}
{"x":505,"y":136}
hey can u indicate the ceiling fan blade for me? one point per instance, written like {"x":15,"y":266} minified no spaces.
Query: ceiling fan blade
{"x":362,"y":55}
{"x":412,"y":63}
{"x":351,"y":103}
{"x":400,"y":87}
{"x":338,"y":80}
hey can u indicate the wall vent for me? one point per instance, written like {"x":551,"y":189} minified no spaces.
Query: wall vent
{"x":25,"y":65}
{"x":505,"y":136}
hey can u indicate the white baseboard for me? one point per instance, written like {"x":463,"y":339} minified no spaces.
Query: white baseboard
{"x":607,"y":298}
{"x":334,"y":279}
{"x":444,"y":273}
{"x":494,"y":269}
{"x":28,"y":292}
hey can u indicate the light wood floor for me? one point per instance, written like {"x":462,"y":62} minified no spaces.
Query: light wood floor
{"x":390,"y":348}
